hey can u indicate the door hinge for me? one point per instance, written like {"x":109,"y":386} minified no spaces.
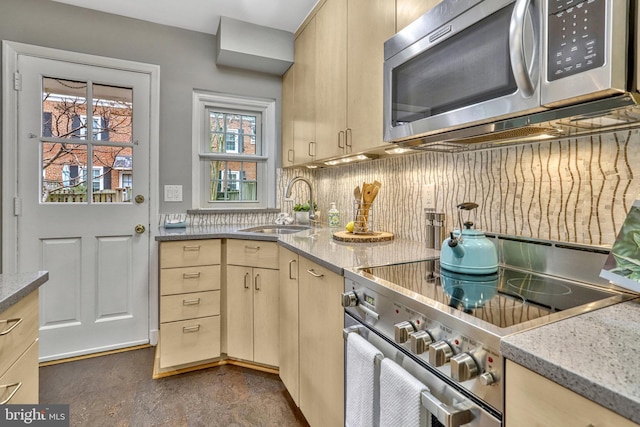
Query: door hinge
{"x":17,"y":81}
{"x":17,"y":206}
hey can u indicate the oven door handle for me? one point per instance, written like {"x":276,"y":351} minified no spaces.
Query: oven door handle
{"x":358,"y":329}
{"x":448,"y":416}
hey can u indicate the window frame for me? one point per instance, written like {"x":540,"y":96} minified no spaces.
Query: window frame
{"x":203,"y":102}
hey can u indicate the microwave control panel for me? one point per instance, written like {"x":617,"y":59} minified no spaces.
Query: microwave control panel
{"x":576,"y":37}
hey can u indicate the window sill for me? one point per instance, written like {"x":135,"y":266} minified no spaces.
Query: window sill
{"x":230,"y":211}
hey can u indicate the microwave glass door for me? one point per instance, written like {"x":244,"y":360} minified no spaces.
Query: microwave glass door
{"x":468,"y":68}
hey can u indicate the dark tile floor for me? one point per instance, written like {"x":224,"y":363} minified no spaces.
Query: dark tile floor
{"x":117,"y":391}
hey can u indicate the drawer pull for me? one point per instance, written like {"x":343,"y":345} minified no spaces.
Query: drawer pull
{"x":15,"y":322}
{"x":194,"y":248}
{"x":188,"y":329}
{"x":314,"y":274}
{"x":194,"y":301}
{"x":191,"y":275}
{"x":252,"y":248}
{"x":256,"y":282}
{"x":15,"y":390}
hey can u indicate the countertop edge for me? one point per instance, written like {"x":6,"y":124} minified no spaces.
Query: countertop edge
{"x":528,"y":356}
{"x":14,"y":287}
{"x":328,"y":265}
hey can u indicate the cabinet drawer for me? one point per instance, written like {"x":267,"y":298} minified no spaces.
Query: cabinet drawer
{"x":23,"y":318}
{"x":186,"y":253}
{"x":22,"y":379}
{"x":189,"y":306}
{"x":189,"y":341}
{"x":252,"y":253}
{"x":189,"y":279}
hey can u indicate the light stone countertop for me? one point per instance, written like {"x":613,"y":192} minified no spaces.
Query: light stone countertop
{"x":596,"y":355}
{"x":14,"y":287}
{"x":317,"y":244}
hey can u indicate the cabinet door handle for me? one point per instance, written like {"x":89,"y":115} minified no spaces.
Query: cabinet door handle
{"x":256,"y":282}
{"x":290,"y":270}
{"x":290,"y":155}
{"x":15,"y":322}
{"x":348,"y":140}
{"x":341,"y":143}
{"x":191,"y":275}
{"x":314,"y":274}
{"x":194,"y":248}
{"x":194,"y":301}
{"x":246,"y":283}
{"x":15,"y":390}
{"x":312,"y":153}
{"x":252,"y":248}
{"x":189,"y":329}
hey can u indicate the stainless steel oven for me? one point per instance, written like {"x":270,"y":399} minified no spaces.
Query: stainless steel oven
{"x":471,"y":62}
{"x":449,"y":327}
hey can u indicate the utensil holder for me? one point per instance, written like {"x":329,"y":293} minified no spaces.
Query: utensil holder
{"x":363,"y":215}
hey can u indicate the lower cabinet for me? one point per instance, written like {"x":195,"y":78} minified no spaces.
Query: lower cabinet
{"x":289,"y":323}
{"x":321,"y":345}
{"x":534,"y":401}
{"x":252,"y":314}
{"x":19,"y":352}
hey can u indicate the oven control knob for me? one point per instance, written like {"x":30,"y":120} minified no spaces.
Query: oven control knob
{"x":349,"y":299}
{"x":463,"y":367}
{"x":420,"y":341}
{"x":439,"y":353}
{"x":402,"y":331}
{"x":487,"y":378}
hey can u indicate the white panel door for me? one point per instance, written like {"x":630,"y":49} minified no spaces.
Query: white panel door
{"x":83,"y":180}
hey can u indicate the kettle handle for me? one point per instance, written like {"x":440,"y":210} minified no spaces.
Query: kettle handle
{"x":467,"y":206}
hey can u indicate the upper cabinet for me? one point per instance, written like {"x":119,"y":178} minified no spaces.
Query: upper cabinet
{"x":288,"y":151}
{"x":337,"y":97}
{"x":408,"y":11}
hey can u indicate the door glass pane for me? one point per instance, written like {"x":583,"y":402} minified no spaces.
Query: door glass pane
{"x":64,"y":108}
{"x":112,"y":113}
{"x":64,"y":178}
{"x":232,"y":180}
{"x":112,"y":174}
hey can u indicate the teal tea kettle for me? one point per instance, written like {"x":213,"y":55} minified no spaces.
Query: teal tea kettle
{"x":468,"y":250}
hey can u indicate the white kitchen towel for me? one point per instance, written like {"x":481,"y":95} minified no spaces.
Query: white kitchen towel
{"x":399,"y":396}
{"x":362,"y":382}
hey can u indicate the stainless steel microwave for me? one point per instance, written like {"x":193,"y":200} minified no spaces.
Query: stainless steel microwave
{"x":471,"y":62}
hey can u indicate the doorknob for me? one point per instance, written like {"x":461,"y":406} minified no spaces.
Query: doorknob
{"x":140,"y":228}
{"x":139,"y":198}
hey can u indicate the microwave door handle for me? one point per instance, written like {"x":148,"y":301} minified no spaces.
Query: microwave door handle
{"x":517,"y":52}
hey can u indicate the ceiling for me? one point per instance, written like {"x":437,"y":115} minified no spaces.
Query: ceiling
{"x":204,"y":15}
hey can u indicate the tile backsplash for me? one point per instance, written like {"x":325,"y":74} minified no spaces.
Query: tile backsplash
{"x":576,"y":190}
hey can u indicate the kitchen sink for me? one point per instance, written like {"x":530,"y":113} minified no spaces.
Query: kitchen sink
{"x":276,"y":229}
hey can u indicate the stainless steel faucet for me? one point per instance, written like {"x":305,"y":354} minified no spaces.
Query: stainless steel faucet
{"x":312,"y":212}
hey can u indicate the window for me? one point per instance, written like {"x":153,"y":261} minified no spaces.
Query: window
{"x":234,"y":150}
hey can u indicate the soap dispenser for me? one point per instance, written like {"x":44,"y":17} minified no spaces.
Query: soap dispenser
{"x":334,"y":216}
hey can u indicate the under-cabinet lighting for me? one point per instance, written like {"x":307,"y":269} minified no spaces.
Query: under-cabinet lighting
{"x":398,"y":150}
{"x":357,"y":158}
{"x":312,"y":166}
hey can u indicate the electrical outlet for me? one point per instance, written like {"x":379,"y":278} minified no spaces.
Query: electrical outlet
{"x":429,"y":196}
{"x":173,"y":193}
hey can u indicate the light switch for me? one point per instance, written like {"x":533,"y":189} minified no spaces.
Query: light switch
{"x":173,"y":193}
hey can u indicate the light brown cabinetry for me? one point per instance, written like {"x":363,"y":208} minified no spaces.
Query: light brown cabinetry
{"x":19,"y":352}
{"x":408,"y":11}
{"x":252,"y":301}
{"x":337,"y":100}
{"x":534,"y":401}
{"x":304,"y":93}
{"x":289,"y":323}
{"x":189,"y":302}
{"x":321,"y":345}
{"x":288,"y":148}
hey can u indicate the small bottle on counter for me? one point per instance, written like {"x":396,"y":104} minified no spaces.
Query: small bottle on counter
{"x":334,"y":216}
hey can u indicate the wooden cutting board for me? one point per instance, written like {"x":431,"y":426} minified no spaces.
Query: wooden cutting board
{"x":376,"y":236}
